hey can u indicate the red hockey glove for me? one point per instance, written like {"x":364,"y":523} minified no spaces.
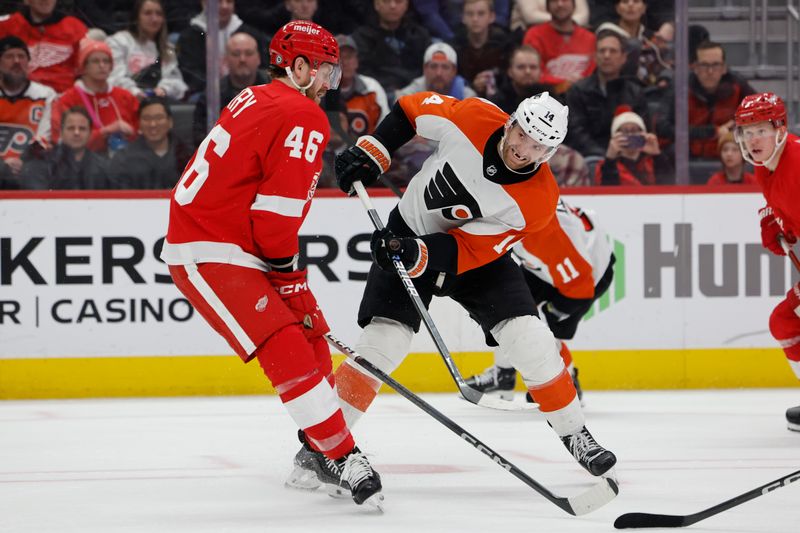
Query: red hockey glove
{"x":293,"y":289}
{"x":770,"y":229}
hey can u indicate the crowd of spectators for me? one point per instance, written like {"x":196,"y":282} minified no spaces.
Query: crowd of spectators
{"x":89,"y":89}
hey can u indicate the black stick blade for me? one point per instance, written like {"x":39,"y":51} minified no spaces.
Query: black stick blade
{"x":642,"y":520}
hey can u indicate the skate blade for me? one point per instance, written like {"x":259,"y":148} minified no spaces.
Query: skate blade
{"x":301,"y":479}
{"x":374,"y":503}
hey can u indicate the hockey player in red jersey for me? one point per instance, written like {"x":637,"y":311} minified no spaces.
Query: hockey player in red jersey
{"x":567,"y":266}
{"x":765,"y":142}
{"x":485,"y":187}
{"x":232,"y":245}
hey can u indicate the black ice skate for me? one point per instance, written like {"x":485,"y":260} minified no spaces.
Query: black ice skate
{"x":358,"y":476}
{"x":793,"y":418}
{"x":495,"y":380}
{"x":591,"y":456}
{"x":313,"y":470}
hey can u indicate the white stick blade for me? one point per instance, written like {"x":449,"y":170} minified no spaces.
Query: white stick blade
{"x":594,"y":498}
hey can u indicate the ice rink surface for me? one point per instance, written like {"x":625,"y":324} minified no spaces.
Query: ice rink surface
{"x":218,"y":464}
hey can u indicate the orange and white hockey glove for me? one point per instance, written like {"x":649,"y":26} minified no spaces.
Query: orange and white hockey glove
{"x":365,"y":162}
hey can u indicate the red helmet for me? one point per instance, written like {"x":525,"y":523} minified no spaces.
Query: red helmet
{"x":303,"y":38}
{"x":760,"y":107}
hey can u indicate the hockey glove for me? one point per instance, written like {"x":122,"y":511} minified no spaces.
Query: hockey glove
{"x":770,"y":229}
{"x":293,"y":289}
{"x":365,"y":162}
{"x":385,"y":245}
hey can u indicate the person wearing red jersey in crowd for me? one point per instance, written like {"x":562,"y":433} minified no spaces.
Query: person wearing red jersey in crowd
{"x":232,"y":246}
{"x":733,"y":171}
{"x":24,"y":107}
{"x":629,"y":156}
{"x":486,"y":187}
{"x":113,"y":109}
{"x":767,"y":144}
{"x":53,"y":39}
{"x":566,"y":49}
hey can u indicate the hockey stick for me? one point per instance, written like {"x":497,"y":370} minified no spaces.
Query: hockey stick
{"x":592,"y":499}
{"x":789,"y":252}
{"x":629,"y":520}
{"x":469,"y":394}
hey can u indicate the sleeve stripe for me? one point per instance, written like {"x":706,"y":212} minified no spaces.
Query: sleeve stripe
{"x":281,"y":205}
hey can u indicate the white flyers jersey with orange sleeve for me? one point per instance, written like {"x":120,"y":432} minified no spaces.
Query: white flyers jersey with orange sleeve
{"x":571,"y":254}
{"x":246,"y":191}
{"x":464,"y":188}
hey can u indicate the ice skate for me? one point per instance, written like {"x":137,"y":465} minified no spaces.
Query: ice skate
{"x":495,"y":380}
{"x":591,"y":456}
{"x":793,"y":418}
{"x":360,"y":479}
{"x":313,"y":470}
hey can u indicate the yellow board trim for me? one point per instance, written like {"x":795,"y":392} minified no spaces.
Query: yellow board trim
{"x":94,"y":377}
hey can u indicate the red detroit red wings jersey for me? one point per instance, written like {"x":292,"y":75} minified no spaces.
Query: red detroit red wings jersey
{"x":572,"y":253}
{"x":452,"y":194}
{"x":248,"y":188}
{"x":782,"y":187}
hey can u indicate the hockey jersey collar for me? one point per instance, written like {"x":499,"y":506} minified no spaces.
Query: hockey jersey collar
{"x":495,"y":170}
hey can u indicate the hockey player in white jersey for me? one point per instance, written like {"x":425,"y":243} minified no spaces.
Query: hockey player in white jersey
{"x":567,"y":268}
{"x":486,"y":187}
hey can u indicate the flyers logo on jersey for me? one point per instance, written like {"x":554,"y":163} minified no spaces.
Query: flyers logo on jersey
{"x":447,"y":193}
{"x":14,"y":138}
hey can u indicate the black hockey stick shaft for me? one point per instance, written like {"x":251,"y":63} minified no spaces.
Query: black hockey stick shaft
{"x":469,"y":393}
{"x":647,"y":520}
{"x":502,"y":462}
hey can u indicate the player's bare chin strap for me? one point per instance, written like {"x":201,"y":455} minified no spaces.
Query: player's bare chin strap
{"x":531,"y":348}
{"x":384,"y":343}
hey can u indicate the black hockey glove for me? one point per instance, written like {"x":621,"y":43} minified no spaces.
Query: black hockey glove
{"x":364,"y":162}
{"x":412,"y":252}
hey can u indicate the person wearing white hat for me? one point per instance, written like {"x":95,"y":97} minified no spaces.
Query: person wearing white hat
{"x":439,"y":74}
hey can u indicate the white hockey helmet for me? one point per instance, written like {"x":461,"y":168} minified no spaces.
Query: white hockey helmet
{"x":544,"y":119}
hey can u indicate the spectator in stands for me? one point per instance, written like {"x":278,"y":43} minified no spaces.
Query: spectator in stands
{"x":481,"y":46}
{"x":156,"y":158}
{"x":192,"y":45}
{"x":434,"y":14}
{"x":570,"y":168}
{"x":566,"y":50}
{"x":592,"y":100}
{"x":53,"y":41}
{"x":336,"y":16}
{"x":112,"y":109}
{"x":644,"y":46}
{"x":714,"y":95}
{"x":439,"y":74}
{"x":529,"y":13}
{"x":390,"y":49}
{"x":364,"y":98}
{"x":25,"y":105}
{"x":733,"y":171}
{"x":241,"y":62}
{"x":630,"y":154}
{"x":179,"y":14}
{"x":144,"y":62}
{"x":521,"y":79}
{"x":70,"y":164}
